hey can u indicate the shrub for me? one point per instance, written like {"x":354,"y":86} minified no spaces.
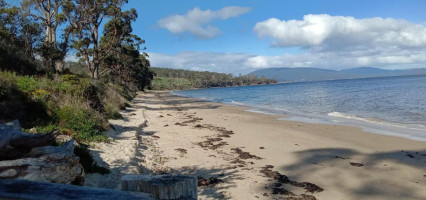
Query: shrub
{"x":40,"y":95}
{"x":85,"y":124}
{"x":27,"y":83}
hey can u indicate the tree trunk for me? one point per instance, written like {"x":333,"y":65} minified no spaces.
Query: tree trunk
{"x":162,"y":186}
{"x":59,"y":65}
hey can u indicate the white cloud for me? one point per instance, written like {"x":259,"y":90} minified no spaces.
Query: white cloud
{"x":337,"y":33}
{"x":237,"y":63}
{"x":328,"y":42}
{"x":196,"y":21}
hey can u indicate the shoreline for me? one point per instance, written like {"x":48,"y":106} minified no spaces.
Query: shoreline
{"x":245,"y":155}
{"x":371,"y":125}
{"x":241,"y":148}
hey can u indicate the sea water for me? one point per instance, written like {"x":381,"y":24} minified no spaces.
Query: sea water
{"x":391,"y":105}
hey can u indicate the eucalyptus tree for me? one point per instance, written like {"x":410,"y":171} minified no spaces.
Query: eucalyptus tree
{"x":124,"y":61}
{"x":89,"y":15}
{"x":49,"y":13}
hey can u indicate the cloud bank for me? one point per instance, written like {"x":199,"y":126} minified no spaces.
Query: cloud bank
{"x":329,"y":42}
{"x":196,"y":21}
{"x":329,"y":33}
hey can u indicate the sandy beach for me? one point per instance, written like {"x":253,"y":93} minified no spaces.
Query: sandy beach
{"x":245,"y":155}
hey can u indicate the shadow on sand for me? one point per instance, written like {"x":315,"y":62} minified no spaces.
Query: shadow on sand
{"x":314,"y":163}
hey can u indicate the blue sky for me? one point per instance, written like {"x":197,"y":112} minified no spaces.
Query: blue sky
{"x":237,"y":33}
{"x":240,"y":36}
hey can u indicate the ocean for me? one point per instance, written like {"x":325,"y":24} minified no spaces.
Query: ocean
{"x":390,"y":105}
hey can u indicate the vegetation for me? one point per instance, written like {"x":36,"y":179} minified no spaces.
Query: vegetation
{"x":44,"y":92}
{"x":172,"y":79}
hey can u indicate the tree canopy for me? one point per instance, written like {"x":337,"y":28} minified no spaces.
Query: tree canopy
{"x":99,"y":31}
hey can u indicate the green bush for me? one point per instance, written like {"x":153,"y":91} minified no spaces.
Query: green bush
{"x":27,"y":83}
{"x":84,"y":123}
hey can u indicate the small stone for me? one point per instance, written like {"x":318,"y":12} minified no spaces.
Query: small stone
{"x":8,"y":173}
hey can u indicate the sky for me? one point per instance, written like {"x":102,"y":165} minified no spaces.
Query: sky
{"x":240,"y":36}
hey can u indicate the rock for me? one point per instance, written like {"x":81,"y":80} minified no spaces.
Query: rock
{"x":33,"y":130}
{"x":64,"y":138}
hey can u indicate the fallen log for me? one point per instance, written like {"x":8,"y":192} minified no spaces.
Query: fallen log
{"x":24,"y":189}
{"x":26,"y":156}
{"x":16,"y":144}
{"x":162,"y":186}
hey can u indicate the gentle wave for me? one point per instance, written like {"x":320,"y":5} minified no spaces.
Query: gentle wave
{"x":347,"y":116}
{"x":237,"y":103}
{"x":375,"y":121}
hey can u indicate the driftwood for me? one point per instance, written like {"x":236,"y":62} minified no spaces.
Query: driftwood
{"x":16,"y":144}
{"x":26,"y":156}
{"x":162,"y":186}
{"x":23,"y":189}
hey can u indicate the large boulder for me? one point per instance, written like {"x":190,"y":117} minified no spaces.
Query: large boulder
{"x":37,"y":161}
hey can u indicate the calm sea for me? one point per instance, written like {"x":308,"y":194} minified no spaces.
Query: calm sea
{"x":393,"y":105}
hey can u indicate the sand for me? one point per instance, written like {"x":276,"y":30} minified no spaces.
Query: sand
{"x":121,"y":155}
{"x":172,"y":134}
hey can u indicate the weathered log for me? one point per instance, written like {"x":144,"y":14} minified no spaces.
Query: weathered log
{"x":23,"y":189}
{"x":162,"y":186}
{"x":47,"y":164}
{"x":16,"y":144}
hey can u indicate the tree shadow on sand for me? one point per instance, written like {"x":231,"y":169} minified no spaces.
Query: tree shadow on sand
{"x":338,"y":166}
{"x":227,"y":179}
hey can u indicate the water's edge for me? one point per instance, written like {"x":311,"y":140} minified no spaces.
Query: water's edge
{"x":373,"y":126}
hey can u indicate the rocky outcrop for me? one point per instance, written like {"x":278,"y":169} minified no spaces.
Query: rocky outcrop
{"x":32,"y":157}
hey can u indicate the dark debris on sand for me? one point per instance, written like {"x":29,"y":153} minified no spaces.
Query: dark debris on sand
{"x":180,"y":150}
{"x":223,"y":132}
{"x":356,"y":164}
{"x":205,"y":182}
{"x":193,"y":120}
{"x":212,"y":143}
{"x":283,"y":179}
{"x":245,"y":155}
{"x":180,"y":124}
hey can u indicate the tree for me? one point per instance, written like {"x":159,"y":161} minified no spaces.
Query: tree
{"x":49,"y":13}
{"x":89,"y":15}
{"x":124,"y":61}
{"x":18,"y":38}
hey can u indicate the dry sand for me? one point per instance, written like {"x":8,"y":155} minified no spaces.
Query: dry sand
{"x":190,"y":136}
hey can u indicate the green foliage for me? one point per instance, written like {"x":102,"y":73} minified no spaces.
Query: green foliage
{"x":18,"y":38}
{"x":7,"y":82}
{"x":27,"y":83}
{"x":171,"y":84}
{"x":84,"y":123}
{"x":87,"y":161}
{"x":71,"y":78}
{"x":169,"y":79}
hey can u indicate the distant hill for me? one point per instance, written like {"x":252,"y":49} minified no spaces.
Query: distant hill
{"x":316,"y":74}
